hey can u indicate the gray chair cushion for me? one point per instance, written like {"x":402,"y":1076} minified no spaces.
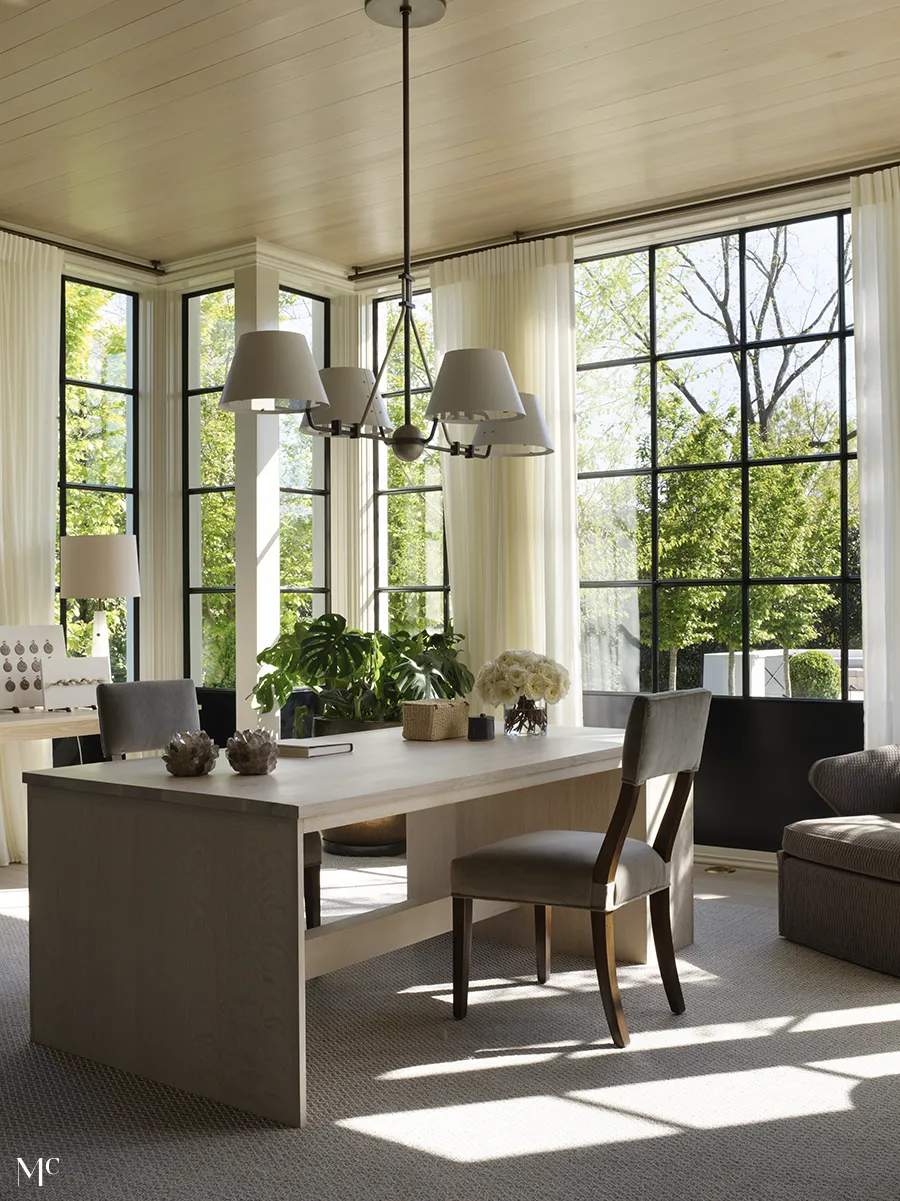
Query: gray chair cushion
{"x":868,"y":845}
{"x":554,"y":867}
{"x":863,"y":782}
{"x":664,"y":734}
{"x":312,"y":849}
{"x":143,"y":716}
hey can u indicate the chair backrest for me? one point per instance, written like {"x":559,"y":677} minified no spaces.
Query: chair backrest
{"x":663,"y":737}
{"x":861,"y":782}
{"x":144,"y":716}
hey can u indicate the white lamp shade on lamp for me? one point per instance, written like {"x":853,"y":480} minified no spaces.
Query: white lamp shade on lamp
{"x":473,"y":386}
{"x":348,"y":390}
{"x":98,"y":566}
{"x":272,"y":371}
{"x":527,"y":437}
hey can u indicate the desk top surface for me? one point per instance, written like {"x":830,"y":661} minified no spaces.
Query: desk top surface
{"x":39,"y":723}
{"x":383,"y":770}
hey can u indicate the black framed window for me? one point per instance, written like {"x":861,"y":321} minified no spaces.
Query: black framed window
{"x":718,"y":506}
{"x":412,"y":585}
{"x":209,"y":492}
{"x":98,"y":447}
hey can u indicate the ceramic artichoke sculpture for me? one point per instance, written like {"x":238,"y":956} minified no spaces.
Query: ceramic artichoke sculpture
{"x":253,"y":752}
{"x":192,"y":753}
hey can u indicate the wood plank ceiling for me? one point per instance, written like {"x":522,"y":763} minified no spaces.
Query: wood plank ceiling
{"x":169,"y":129}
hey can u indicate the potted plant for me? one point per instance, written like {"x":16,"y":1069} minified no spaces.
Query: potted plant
{"x":360,"y":680}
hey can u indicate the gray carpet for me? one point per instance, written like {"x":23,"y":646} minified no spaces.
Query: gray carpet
{"x":779,"y":1083}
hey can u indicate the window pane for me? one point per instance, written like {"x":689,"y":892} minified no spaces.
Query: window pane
{"x":211,"y":441}
{"x":613,"y":418}
{"x":302,"y":456}
{"x":848,"y":271}
{"x":795,"y":519}
{"x":612,"y":308}
{"x":304,"y":315}
{"x":790,"y":620}
{"x":698,"y":294}
{"x":853,"y":517}
{"x":411,"y":611}
{"x":792,"y":279}
{"x":388,"y":312}
{"x":80,"y":632}
{"x":300,"y":606}
{"x":616,"y":639}
{"x":855,"y":665}
{"x":614,"y":528}
{"x":211,"y":517}
{"x":97,"y":512}
{"x":98,"y":335}
{"x":98,"y":437}
{"x":700,"y":524}
{"x":412,"y":526}
{"x":699,"y":638}
{"x":210,"y":338}
{"x":302,"y":528}
{"x":699,"y":410}
{"x":212,"y":639}
{"x":794,"y":397}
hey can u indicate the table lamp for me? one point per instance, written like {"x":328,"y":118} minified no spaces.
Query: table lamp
{"x":99,"y":567}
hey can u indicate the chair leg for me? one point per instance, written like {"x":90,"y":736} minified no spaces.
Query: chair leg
{"x":605,"y":962}
{"x":542,"y":915}
{"x":462,"y":954}
{"x":312,"y":895}
{"x":661,"y":921}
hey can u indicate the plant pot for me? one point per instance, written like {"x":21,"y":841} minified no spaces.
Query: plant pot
{"x":382,"y":835}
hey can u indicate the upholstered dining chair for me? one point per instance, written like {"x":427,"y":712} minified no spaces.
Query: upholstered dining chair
{"x":145,"y":714}
{"x":599,"y":872}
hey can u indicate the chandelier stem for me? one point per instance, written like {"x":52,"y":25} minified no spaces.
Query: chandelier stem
{"x":405,"y":13}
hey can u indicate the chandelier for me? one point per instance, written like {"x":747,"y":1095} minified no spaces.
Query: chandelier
{"x":273,"y":371}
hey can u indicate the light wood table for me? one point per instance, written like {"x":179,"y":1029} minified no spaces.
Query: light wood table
{"x":167,"y":931}
{"x":39,"y":724}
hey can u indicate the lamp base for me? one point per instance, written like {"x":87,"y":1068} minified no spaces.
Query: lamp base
{"x":422,"y":12}
{"x":100,"y":638}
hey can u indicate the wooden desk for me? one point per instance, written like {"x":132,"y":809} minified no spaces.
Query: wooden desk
{"x":167,"y":932}
{"x":37,"y":724}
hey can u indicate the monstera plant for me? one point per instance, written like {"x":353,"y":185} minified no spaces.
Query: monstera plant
{"x":360,"y":677}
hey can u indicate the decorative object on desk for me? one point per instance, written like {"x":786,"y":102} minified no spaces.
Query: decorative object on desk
{"x":435,"y":720}
{"x":481,"y":728}
{"x":23,"y":682}
{"x":99,"y":567}
{"x":192,"y":753}
{"x":524,"y":683}
{"x":72,"y":683}
{"x":252,"y":752}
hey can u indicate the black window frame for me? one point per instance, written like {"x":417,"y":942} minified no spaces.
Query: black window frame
{"x":132,"y":490}
{"x":842,"y":335}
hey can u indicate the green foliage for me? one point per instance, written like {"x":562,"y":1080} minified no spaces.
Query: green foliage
{"x":360,"y":676}
{"x":815,"y":674}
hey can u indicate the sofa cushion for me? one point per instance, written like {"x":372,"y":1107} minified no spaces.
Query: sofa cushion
{"x":868,"y":844}
{"x":555,"y":867}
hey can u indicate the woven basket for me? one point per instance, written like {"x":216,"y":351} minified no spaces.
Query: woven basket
{"x":435,"y":720}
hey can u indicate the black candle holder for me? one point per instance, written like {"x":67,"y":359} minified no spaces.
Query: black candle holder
{"x":481,"y":728}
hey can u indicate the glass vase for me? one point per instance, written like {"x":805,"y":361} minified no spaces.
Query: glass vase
{"x":526,"y":718}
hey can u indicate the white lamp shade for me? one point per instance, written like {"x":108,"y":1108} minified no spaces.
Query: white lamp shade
{"x":529,"y":436}
{"x":272,"y":371}
{"x":473,"y":386}
{"x":348,"y":390}
{"x":98,"y":566}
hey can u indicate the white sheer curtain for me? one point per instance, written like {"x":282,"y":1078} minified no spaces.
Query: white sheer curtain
{"x":876,"y":307}
{"x":30,"y":276}
{"x":510,"y":523}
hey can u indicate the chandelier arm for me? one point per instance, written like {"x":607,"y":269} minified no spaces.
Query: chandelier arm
{"x":422,"y":355}
{"x":381,"y":369}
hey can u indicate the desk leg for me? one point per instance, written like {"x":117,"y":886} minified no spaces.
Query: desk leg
{"x":167,"y":941}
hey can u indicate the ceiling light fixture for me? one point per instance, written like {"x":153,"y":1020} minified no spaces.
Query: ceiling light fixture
{"x":474,"y":387}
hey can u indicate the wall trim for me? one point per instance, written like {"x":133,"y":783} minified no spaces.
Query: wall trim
{"x":758,"y":861}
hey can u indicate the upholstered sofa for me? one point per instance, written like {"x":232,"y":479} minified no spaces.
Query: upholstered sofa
{"x":839,"y":877}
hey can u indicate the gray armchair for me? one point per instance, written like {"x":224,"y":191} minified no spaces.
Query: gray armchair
{"x":839,"y":877}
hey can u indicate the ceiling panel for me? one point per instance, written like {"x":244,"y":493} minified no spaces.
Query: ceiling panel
{"x":166,"y":130}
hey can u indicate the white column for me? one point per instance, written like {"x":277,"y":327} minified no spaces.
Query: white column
{"x":257,"y":550}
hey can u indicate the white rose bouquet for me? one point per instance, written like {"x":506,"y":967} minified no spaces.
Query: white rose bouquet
{"x":520,"y":680}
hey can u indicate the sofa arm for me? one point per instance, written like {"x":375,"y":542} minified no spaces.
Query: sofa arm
{"x":862,"y":782}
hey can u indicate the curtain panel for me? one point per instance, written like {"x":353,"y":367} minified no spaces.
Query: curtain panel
{"x":511,"y":522}
{"x":30,"y":281}
{"x":875,"y":202}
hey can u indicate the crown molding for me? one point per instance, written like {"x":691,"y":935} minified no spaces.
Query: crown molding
{"x":295,"y":269}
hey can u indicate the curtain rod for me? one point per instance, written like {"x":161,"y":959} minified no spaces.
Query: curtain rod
{"x":611,"y":223}
{"x":153,"y":268}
